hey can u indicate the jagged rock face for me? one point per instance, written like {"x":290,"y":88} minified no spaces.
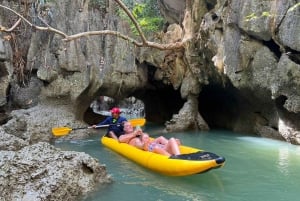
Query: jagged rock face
{"x":6,"y":70}
{"x":87,"y":67}
{"x":287,"y":83}
{"x":236,"y":44}
{"x":259,"y":63}
{"x":34,"y":124}
{"x":249,"y":49}
{"x":288,"y":33}
{"x":32,"y":169}
{"x":42,"y":172}
{"x":172,"y":10}
{"x":185,"y":113}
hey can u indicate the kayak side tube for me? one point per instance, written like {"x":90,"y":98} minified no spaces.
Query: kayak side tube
{"x":191,"y":161}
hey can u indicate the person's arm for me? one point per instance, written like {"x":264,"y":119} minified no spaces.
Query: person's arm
{"x":139,"y":144}
{"x":107,"y":121}
{"x":113,"y":135}
{"x":104,"y":122}
{"x":125,"y":138}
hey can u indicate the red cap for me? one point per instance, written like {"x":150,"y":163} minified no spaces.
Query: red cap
{"x":115,"y":110}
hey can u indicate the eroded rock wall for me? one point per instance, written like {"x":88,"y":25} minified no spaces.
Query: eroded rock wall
{"x":248,"y":46}
{"x":255,"y":33}
{"x":42,"y":172}
{"x":246,"y":43}
{"x":6,"y":70}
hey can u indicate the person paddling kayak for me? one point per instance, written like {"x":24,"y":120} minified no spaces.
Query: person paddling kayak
{"x":115,"y":122}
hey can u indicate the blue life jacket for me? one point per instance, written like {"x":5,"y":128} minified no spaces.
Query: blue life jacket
{"x":115,"y":125}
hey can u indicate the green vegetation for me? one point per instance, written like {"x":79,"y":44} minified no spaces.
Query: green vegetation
{"x":147,"y":15}
{"x":252,"y":16}
{"x":266,"y":14}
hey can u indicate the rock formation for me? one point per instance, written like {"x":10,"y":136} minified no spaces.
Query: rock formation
{"x":247,"y":52}
{"x":238,"y":68}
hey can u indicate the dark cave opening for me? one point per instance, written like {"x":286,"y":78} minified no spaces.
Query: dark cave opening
{"x":161,"y":100}
{"x":280,"y":102}
{"x":218,"y":106}
{"x":92,"y":118}
{"x":273,"y":47}
{"x":211,"y":4}
{"x":3,"y":70}
{"x":160,"y":104}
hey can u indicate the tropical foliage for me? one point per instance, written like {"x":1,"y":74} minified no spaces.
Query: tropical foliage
{"x":147,"y":15}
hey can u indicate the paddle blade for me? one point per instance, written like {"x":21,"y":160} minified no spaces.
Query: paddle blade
{"x":61,"y":131}
{"x":137,"y":122}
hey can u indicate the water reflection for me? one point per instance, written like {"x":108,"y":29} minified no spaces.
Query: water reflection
{"x":145,"y":179}
{"x":283,"y":160}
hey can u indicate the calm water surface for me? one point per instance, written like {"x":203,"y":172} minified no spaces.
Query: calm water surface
{"x":256,"y":169}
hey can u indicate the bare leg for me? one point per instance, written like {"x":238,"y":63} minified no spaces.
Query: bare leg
{"x":172,"y":146}
{"x":178,"y":141}
{"x":161,"y":151}
{"x":161,"y":140}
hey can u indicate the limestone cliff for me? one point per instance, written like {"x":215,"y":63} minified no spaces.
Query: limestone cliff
{"x":239,"y":68}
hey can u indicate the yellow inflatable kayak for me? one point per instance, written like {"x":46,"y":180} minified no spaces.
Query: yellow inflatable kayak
{"x":191,"y":161}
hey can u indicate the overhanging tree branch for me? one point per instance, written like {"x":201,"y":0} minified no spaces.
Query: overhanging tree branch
{"x":12,"y":28}
{"x":160,"y":46}
{"x":48,"y":28}
{"x":65,"y":37}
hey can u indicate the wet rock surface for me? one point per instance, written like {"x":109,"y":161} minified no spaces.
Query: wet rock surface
{"x":32,"y":168}
{"x":42,"y":172}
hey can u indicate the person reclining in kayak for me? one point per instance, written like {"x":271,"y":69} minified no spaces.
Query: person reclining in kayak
{"x":141,"y":140}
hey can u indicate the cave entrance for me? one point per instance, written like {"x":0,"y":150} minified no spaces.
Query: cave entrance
{"x":219,"y":106}
{"x":161,"y":102}
{"x":99,"y":109}
{"x":156,"y":102}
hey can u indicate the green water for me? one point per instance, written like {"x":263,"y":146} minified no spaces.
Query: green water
{"x":256,"y":169}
